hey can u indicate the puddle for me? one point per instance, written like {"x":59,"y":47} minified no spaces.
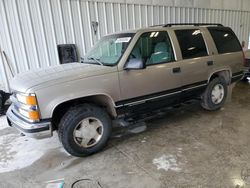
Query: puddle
{"x":19,"y":152}
{"x":3,"y":123}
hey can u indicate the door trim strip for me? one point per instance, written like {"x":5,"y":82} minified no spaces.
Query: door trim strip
{"x":143,"y":99}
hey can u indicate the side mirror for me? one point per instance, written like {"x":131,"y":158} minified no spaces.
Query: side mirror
{"x":134,"y":64}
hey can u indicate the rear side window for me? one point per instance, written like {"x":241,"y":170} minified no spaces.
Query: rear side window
{"x":225,"y":40}
{"x":191,"y":43}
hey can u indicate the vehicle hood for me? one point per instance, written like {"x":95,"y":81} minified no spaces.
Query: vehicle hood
{"x":55,"y":75}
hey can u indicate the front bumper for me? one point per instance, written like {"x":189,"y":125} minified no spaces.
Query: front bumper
{"x":38,"y":130}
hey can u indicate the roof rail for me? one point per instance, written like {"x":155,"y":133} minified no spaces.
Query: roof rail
{"x":194,"y":24}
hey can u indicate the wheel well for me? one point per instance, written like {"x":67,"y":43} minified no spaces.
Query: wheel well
{"x":102,"y":101}
{"x":225,"y":74}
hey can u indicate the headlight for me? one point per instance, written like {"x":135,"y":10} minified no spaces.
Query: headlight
{"x":28,"y":106}
{"x":27,"y":99}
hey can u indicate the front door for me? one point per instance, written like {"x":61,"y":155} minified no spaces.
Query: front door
{"x":159,"y":82}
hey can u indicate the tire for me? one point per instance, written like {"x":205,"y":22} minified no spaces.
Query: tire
{"x":244,"y":79}
{"x":207,"y":101}
{"x":79,"y":124}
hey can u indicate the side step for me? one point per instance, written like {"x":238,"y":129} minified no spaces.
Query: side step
{"x":122,"y":127}
{"x":132,"y":124}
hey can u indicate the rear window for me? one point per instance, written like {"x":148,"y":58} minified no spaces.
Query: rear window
{"x":225,"y":40}
{"x":191,"y":43}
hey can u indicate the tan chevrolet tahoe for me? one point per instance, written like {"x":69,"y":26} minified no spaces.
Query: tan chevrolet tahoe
{"x":126,"y":75}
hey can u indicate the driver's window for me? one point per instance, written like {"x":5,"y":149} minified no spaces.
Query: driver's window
{"x":153,"y":48}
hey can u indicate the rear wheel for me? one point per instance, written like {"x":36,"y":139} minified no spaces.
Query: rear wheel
{"x":244,"y":78}
{"x":215,"y":94}
{"x":84,"y":130}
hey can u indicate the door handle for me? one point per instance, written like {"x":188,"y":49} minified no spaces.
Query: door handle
{"x":176,"y":70}
{"x":210,"y":63}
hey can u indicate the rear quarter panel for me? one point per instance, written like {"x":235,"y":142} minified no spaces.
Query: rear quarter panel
{"x":233,"y":62}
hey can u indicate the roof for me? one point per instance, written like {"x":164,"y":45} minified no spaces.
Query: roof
{"x":176,"y":25}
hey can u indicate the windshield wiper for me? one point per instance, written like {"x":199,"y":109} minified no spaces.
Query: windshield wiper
{"x":96,"y":60}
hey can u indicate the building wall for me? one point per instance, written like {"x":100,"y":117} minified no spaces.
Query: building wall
{"x":210,"y":4}
{"x":31,"y":29}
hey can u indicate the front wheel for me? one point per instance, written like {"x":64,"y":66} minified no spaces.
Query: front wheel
{"x":215,"y":94}
{"x":84,"y":130}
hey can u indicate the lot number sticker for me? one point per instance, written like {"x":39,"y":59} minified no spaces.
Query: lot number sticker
{"x":123,"y":39}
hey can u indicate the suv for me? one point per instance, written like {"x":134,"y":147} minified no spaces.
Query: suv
{"x":124,"y":76}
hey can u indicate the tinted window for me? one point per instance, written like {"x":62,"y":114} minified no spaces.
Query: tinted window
{"x":153,"y":48}
{"x":191,"y":43}
{"x":225,"y":40}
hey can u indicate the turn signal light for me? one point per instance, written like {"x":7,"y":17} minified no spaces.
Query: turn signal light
{"x":31,"y":100}
{"x":34,"y":115}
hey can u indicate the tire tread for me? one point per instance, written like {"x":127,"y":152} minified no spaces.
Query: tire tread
{"x":70,"y":116}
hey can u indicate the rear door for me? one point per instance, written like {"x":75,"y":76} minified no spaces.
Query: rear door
{"x":195,"y":60}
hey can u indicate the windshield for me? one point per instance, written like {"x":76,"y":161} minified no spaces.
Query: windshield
{"x":109,"y":49}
